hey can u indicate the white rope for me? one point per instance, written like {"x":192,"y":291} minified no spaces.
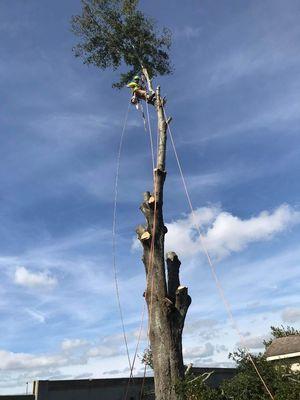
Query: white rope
{"x":151,"y":138}
{"x":114,"y":235}
{"x":152,"y":246}
{"x":136,"y":351}
{"x":212,"y":267}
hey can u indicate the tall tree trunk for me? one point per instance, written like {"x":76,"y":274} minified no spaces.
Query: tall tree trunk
{"x":167,"y":301}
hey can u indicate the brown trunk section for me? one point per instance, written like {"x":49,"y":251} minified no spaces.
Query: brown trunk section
{"x":167,"y":302}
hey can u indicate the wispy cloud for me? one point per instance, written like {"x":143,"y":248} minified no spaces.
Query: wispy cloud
{"x":23,"y":361}
{"x":291,"y":315}
{"x":199,"y":351}
{"x":253,"y":343}
{"x":24,"y":277}
{"x":36,"y":315}
{"x":72,"y":344}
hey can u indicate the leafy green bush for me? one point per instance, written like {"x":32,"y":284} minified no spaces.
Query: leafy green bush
{"x":283,"y":383}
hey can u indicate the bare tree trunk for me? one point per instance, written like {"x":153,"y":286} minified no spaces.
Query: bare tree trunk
{"x":167,"y":301}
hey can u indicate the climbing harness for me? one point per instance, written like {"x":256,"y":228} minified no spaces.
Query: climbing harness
{"x":138,"y":105}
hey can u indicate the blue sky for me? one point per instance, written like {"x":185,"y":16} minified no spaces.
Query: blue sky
{"x":235,"y":101}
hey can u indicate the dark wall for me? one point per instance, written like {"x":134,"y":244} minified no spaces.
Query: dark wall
{"x":93,"y":389}
{"x":18,"y":397}
{"x":114,"y":389}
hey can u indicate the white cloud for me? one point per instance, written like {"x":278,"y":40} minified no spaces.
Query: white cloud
{"x":71,"y":344}
{"x":291,"y":315}
{"x":224,"y":233}
{"x":24,"y":361}
{"x":103,"y":351}
{"x":117,"y":371}
{"x":199,"y":351}
{"x":254,"y":342}
{"x":207,"y":329}
{"x":24,"y":277}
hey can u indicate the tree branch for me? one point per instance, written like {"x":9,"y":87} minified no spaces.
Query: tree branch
{"x":176,"y":293}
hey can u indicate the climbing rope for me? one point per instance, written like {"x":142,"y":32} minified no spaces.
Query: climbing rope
{"x":212,"y":267}
{"x":114,"y":234}
{"x":151,"y":256}
{"x":151,"y":253}
{"x":151,"y":138}
{"x":136,"y":351}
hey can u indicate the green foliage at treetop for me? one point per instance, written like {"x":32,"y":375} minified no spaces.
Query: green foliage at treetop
{"x":116,"y":32}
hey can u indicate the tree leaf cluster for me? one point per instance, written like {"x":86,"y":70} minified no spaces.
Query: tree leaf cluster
{"x":147,"y":358}
{"x":115,"y":33}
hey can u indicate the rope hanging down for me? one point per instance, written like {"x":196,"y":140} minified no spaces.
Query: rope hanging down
{"x":136,"y":351}
{"x":213,"y":270}
{"x":114,"y":235}
{"x":216,"y":279}
{"x":131,"y":365}
{"x":151,"y":258}
{"x":212,"y":267}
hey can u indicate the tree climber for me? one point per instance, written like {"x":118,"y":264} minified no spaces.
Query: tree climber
{"x":139,"y":92}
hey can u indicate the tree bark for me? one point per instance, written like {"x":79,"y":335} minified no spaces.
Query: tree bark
{"x":167,"y":301}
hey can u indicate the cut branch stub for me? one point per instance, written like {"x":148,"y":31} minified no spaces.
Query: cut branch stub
{"x":173,"y":265}
{"x":142,"y":234}
{"x":145,"y":236}
{"x":151,"y":201}
{"x":146,"y":209}
{"x":176,"y":293}
{"x":183,"y":301}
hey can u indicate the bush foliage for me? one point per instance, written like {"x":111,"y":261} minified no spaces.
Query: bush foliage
{"x":283,"y":383}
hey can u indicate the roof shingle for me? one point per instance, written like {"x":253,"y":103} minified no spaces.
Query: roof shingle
{"x":284,"y":345}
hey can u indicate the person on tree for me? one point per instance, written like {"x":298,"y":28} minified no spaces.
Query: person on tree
{"x":139,"y":92}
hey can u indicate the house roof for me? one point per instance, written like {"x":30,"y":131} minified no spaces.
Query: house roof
{"x":284,"y":346}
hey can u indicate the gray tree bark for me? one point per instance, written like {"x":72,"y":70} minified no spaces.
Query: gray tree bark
{"x":167,"y":300}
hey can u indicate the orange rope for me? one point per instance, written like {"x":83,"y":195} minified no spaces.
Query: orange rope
{"x":151,"y":257}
